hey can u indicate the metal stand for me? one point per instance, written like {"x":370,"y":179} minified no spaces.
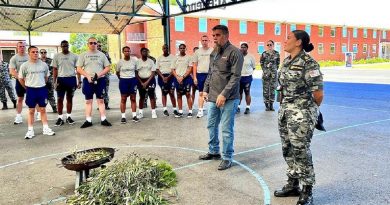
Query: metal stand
{"x":81,"y":176}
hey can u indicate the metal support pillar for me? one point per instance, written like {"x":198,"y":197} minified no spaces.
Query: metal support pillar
{"x":120,"y":45}
{"x":29,"y":37}
{"x":166,"y":24}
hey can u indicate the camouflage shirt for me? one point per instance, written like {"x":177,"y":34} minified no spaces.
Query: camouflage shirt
{"x":269,"y":62}
{"x":299,"y":77}
{"x":48,"y":62}
{"x":4,"y":72}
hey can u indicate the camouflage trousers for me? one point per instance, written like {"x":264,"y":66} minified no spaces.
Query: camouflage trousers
{"x":296,"y":127}
{"x":51,"y":98}
{"x":5,"y":84}
{"x":269,"y":86}
{"x":106,"y":89}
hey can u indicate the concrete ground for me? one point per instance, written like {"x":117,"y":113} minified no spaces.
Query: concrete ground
{"x":350,"y":159}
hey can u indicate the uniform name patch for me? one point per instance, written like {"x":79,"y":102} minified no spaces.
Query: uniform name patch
{"x":314,"y":73}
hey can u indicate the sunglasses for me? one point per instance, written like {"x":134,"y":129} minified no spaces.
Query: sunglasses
{"x":269,"y":45}
{"x":43,"y":52}
{"x":92,"y":43}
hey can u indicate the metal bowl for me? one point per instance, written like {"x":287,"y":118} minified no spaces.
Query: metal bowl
{"x":66,"y":161}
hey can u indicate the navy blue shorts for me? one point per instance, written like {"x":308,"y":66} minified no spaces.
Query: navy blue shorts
{"x":36,"y":96}
{"x":166,"y":87}
{"x":128,"y":86}
{"x":66,"y":85}
{"x":186,"y":85}
{"x":89,"y":89}
{"x":149,"y":89}
{"x":201,"y":77}
{"x":245,"y":80}
{"x":20,"y":91}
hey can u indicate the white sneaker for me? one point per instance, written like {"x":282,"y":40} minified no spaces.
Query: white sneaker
{"x":48,"y":131}
{"x":140,"y":115}
{"x":154,"y":115}
{"x":200,"y":114}
{"x":29,"y":135}
{"x":38,"y":116}
{"x":18,"y":120}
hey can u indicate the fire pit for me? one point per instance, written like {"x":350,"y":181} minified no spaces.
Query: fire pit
{"x":83,"y":161}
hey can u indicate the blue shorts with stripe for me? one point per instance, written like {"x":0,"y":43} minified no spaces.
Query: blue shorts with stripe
{"x":66,"y":85}
{"x":128,"y":86}
{"x":201,"y":77}
{"x":36,"y":96}
{"x":89,"y":89}
{"x":186,"y":85}
{"x":166,"y":87}
{"x":20,"y":91}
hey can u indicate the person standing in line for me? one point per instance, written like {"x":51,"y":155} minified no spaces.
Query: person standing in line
{"x":166,"y":79}
{"x":50,"y":86}
{"x":193,"y":88}
{"x":126,"y":71}
{"x":221,"y":90}
{"x":107,"y":76}
{"x":6,"y":84}
{"x":93,"y":65}
{"x":201,"y":69}
{"x":65,"y":82}
{"x":246,"y":77}
{"x":16,"y":61}
{"x":146,"y":82}
{"x":301,"y":85}
{"x":33,"y":76}
{"x":182,"y":69}
{"x":269,"y":61}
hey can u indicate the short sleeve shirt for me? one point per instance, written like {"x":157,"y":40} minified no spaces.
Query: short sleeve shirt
{"x":249,"y":65}
{"x":126,"y":68}
{"x":65,"y":64}
{"x":17,"y":60}
{"x":202,"y":58}
{"x":34,"y":74}
{"x":145,"y":68}
{"x":92,"y":62}
{"x":181,"y":64}
{"x":164,"y":63}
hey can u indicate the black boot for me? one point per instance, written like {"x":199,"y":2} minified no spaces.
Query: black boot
{"x":106,"y":106}
{"x":306,"y":197}
{"x":271,"y":107}
{"x":266,"y":107}
{"x":14,"y":102}
{"x":4,"y":106}
{"x":290,"y":189}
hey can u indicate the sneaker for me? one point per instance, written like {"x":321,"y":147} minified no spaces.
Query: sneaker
{"x":200,"y":114}
{"x":105,"y":123}
{"x":166,"y":113}
{"x":135,"y":119}
{"x":247,"y":111}
{"x":123,"y":120}
{"x":29,"y":135}
{"x":178,"y":115}
{"x":38,"y":116}
{"x":48,"y":131}
{"x":140,"y":115}
{"x":209,"y":156}
{"x":54,"y":110}
{"x":175,"y":112}
{"x":189,"y":115}
{"x":69,"y":121}
{"x":238,"y":110}
{"x":86,"y":124}
{"x":59,"y":122}
{"x":225,"y":164}
{"x":18,"y":120}
{"x":154,"y":115}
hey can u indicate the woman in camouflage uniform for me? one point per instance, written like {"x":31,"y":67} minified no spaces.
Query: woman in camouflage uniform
{"x":269,"y":62}
{"x":301,"y":95}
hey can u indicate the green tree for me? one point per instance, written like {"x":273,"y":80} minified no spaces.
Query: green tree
{"x":78,"y":41}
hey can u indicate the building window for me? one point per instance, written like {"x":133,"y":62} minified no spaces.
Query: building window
{"x":260,"y":47}
{"x":364,"y":48}
{"x":277,"y":29}
{"x":320,"y":31}
{"x":277,"y":46}
{"x":373,"y":33}
{"x":243,"y":27}
{"x":384,"y":35}
{"x":332,"y":48}
{"x":355,"y":48}
{"x":355,"y":32}
{"x":260,"y":27}
{"x":203,"y":25}
{"x":332,"y":32}
{"x":365,"y":33}
{"x":293,"y":27}
{"x":308,"y":28}
{"x":179,"y":23}
{"x":345,"y":32}
{"x":344,"y":48}
{"x":320,"y":48}
{"x":373,"y":48}
{"x":223,"y":22}
{"x":177,"y":44}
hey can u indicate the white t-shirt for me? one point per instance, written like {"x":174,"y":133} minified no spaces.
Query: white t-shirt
{"x":93,"y":62}
{"x":65,"y":64}
{"x":126,"y":68}
{"x":164,"y":63}
{"x":145,"y":68}
{"x":181,"y":64}
{"x":34,"y":73}
{"x":249,"y":65}
{"x":17,"y":60}
{"x":202,"y":57}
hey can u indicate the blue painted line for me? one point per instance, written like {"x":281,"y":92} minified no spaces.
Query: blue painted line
{"x":59,"y":199}
{"x":31,"y":159}
{"x":191,"y":165}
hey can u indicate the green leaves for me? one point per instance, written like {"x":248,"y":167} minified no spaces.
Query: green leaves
{"x":134,"y":180}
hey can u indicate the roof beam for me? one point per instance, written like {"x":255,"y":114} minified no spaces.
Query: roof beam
{"x":110,"y":24}
{"x":33,"y":15}
{"x":54,"y":21}
{"x":6,"y":17}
